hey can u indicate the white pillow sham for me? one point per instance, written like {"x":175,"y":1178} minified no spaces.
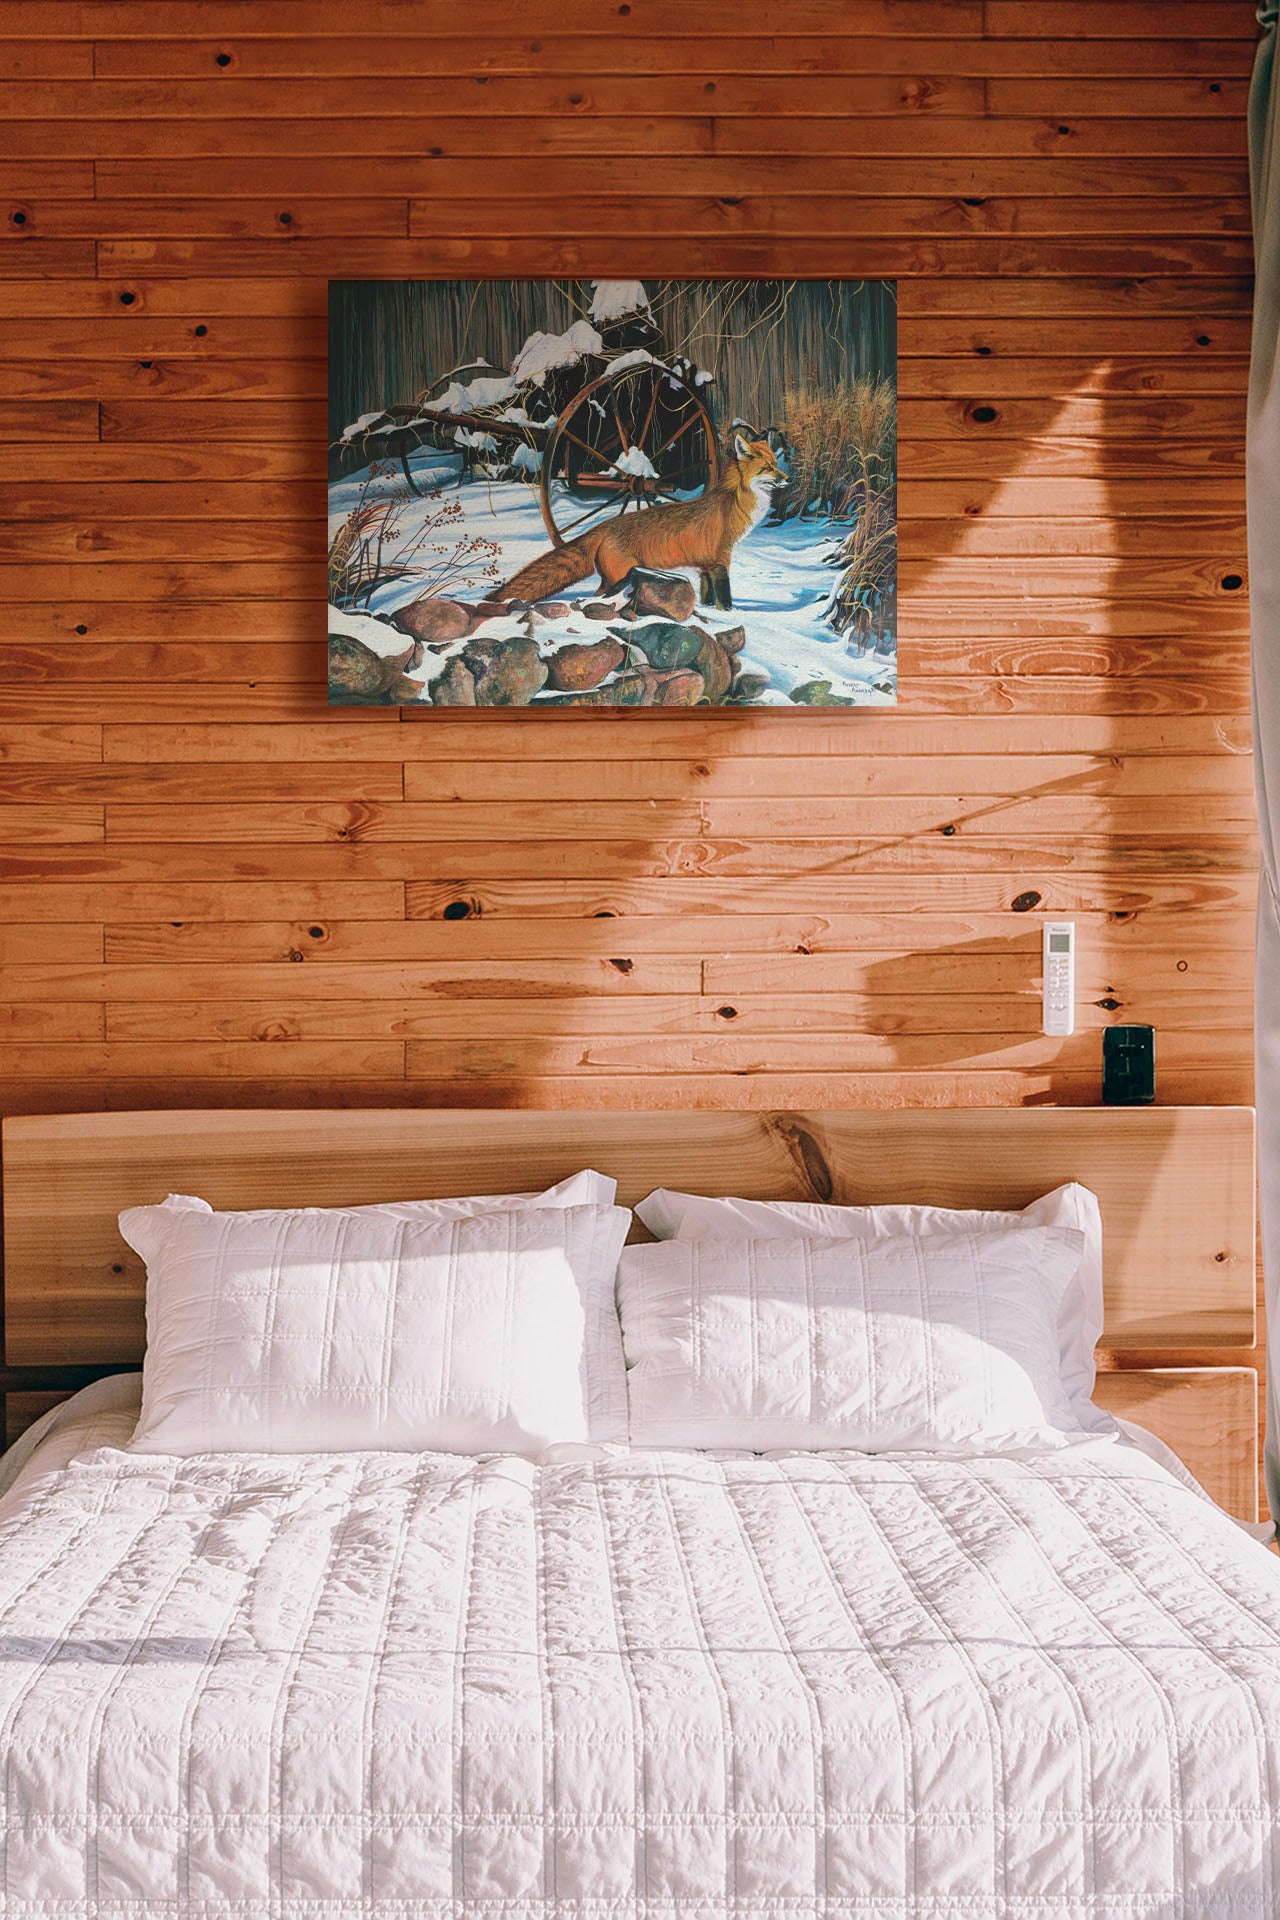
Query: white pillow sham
{"x":323,"y":1330}
{"x":945,"y":1342}
{"x":685,"y":1216}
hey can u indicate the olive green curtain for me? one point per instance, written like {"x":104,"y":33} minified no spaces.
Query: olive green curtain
{"x":1263,"y":470}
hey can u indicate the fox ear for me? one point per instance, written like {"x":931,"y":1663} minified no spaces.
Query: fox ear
{"x":741,"y":446}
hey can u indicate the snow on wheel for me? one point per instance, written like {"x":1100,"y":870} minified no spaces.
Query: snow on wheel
{"x":635,"y":437}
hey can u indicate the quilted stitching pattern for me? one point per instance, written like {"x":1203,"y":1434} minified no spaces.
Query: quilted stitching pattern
{"x":908,"y":1341}
{"x":301,"y":1331}
{"x":657,"y":1685}
{"x":694,"y":1216}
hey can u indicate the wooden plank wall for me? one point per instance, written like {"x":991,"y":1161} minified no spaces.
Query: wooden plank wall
{"x":214,"y":890}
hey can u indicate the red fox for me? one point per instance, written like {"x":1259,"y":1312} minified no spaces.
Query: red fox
{"x":699,"y":533}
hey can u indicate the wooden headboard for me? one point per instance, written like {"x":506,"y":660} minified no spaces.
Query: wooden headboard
{"x":1176,"y":1186}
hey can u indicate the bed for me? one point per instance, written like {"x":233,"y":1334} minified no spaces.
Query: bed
{"x":649,"y":1683}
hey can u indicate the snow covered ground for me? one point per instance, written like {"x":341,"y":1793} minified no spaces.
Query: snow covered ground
{"x":780,"y":584}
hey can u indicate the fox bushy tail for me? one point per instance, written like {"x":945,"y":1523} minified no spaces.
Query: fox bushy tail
{"x":552,"y":572}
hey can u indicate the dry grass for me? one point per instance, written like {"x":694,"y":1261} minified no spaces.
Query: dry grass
{"x":442,"y":558}
{"x":864,"y":603}
{"x":843,"y":445}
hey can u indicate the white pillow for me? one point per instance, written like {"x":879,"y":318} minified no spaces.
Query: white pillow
{"x":687,"y":1216}
{"x":321,"y":1330}
{"x":913,"y":1341}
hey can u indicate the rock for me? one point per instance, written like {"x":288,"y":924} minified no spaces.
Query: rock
{"x":636,"y":688}
{"x":357,"y":673}
{"x":664,"y":644}
{"x":669,"y":594}
{"x":817,"y":693}
{"x":812,"y":694}
{"x":484,"y":610}
{"x":680,"y":688}
{"x":576,"y":668}
{"x":434,"y":619}
{"x":747,"y":688}
{"x":507,"y":673}
{"x":716,"y":668}
{"x":602,"y":609}
{"x":668,"y":647}
{"x":732,"y":639}
{"x":454,"y":686}
{"x":552,"y":611}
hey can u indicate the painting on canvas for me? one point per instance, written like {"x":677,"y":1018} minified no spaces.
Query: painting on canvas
{"x":613,"y":493}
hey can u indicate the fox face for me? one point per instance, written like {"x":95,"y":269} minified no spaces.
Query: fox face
{"x":753,"y":471}
{"x":757,"y":463}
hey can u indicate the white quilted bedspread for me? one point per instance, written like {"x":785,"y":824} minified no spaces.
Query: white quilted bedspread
{"x":670,"y":1686}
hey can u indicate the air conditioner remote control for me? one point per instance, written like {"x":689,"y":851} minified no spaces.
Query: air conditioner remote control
{"x":1059,"y":977}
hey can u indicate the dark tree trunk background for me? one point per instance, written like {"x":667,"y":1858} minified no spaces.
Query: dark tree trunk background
{"x":390,"y":340}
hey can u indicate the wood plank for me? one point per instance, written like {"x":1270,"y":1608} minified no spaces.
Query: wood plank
{"x":205,"y":219}
{"x":843,"y":817}
{"x":516,"y":255}
{"x":181,"y":379}
{"x":1028,"y":890}
{"x":480,"y":936}
{"x":22,"y":182}
{"x":24,"y":421}
{"x":794,"y":214}
{"x":307,"y":19}
{"x":90,"y":337}
{"x":783,"y":776}
{"x":608,"y":977}
{"x":429,"y":174}
{"x":98,"y":1060}
{"x":1123,"y":976}
{"x":227,"y":94}
{"x":60,"y":905}
{"x":50,"y":743}
{"x":530,"y":903}
{"x":1219,"y":93}
{"x":489,"y":737}
{"x":128,"y":418}
{"x":68,"y":1021}
{"x":185,"y":783}
{"x":1176,"y":1189}
{"x":36,"y":825}
{"x":23,"y":943}
{"x":1208,"y":1415}
{"x":655,"y":1056}
{"x":86,"y":660}
{"x":142,"y":463}
{"x":859,"y":1030}
{"x":1203,"y":418}
{"x":440,"y":133}
{"x":33,"y":257}
{"x":464,"y":59}
{"x":1101,"y":19}
{"x":986,"y":464}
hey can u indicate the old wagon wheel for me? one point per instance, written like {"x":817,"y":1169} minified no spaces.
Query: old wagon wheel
{"x":629,"y":439}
